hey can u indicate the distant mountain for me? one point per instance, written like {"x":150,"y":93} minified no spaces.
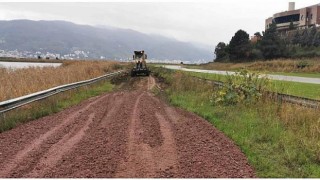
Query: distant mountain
{"x":113,"y":43}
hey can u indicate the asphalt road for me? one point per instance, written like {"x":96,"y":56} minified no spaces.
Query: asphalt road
{"x":274,"y":77}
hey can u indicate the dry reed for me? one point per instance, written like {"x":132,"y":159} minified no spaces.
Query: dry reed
{"x":19,"y":82}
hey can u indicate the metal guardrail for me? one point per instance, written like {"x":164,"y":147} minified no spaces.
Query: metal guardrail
{"x":307,"y":102}
{"x":312,"y":103}
{"x":21,"y":101}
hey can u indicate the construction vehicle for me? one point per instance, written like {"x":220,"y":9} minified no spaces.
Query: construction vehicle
{"x":140,"y":67}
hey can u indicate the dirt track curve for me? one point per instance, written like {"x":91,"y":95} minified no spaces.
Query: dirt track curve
{"x":129,"y":133}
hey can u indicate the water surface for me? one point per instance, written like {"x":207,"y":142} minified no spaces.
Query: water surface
{"x":19,"y":65}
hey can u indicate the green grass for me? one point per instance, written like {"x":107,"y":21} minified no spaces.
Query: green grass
{"x":306,"y":90}
{"x":52,"y":105}
{"x":279,"y":140}
{"x":308,"y":75}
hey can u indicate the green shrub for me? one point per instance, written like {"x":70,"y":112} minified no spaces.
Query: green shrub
{"x":243,"y":86}
{"x":302,"y":64}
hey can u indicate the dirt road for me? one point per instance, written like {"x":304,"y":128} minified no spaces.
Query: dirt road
{"x":129,"y":133}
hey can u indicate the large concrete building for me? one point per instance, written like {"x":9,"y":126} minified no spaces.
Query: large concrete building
{"x":301,"y":18}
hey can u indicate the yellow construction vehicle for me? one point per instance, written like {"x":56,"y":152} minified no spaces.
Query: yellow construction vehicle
{"x":140,"y":67}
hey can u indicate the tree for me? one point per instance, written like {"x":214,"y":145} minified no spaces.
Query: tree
{"x":221,"y":52}
{"x":239,"y":46}
{"x":316,"y":39}
{"x":271,"y":45}
{"x":311,"y":36}
{"x":296,"y":38}
{"x":304,"y":38}
{"x":258,"y":34}
{"x":291,"y":26}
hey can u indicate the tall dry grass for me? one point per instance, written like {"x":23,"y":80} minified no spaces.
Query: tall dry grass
{"x":283,"y":65}
{"x":19,"y":82}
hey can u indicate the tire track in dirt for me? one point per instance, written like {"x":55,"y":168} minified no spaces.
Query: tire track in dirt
{"x":56,"y":152}
{"x":166,"y":155}
{"x":104,"y":141}
{"x":151,"y":146}
{"x":36,"y":144}
{"x":114,"y":106}
{"x":139,"y":162}
{"x":151,"y":83}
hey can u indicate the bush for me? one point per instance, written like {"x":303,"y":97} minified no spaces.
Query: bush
{"x":256,"y":54}
{"x":243,"y":86}
{"x":302,"y":64}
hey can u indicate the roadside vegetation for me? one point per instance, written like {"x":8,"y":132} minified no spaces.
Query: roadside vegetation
{"x":19,"y":82}
{"x":279,"y":139}
{"x":306,"y":90}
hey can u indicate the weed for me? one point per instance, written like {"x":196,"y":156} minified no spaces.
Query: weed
{"x":243,"y":86}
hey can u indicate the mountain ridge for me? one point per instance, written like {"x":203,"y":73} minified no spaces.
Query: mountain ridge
{"x":63,"y":37}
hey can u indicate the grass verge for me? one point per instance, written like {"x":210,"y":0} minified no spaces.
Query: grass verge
{"x":306,"y":65}
{"x":280,"y":140}
{"x":308,"y":75}
{"x":306,"y":90}
{"x":52,"y":105}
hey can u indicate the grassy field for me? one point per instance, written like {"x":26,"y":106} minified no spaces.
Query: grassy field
{"x":280,"y":140}
{"x":292,"y":88}
{"x":19,"y":82}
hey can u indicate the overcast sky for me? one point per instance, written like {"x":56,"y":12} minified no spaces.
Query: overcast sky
{"x":207,"y":22}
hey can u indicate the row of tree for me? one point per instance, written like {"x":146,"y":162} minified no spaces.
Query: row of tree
{"x":269,"y":45}
{"x":306,"y":38}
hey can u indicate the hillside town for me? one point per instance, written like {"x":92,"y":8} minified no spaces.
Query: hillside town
{"x":47,"y":55}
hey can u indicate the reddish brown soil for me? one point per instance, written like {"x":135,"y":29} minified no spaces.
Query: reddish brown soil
{"x":129,"y":133}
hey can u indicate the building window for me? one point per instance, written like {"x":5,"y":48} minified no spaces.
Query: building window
{"x":287,"y":19}
{"x":311,"y":16}
{"x":301,"y":17}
